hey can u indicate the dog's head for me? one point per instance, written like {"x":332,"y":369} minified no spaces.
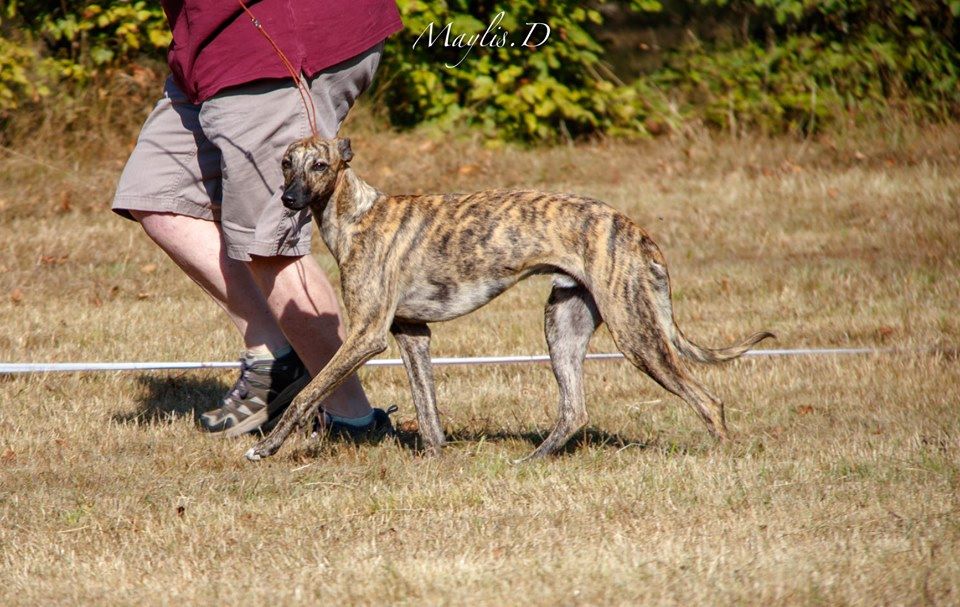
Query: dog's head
{"x":310,"y":170}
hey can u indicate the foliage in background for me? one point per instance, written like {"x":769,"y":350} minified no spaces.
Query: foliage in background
{"x":561,"y":88}
{"x":45,"y":48}
{"x":801,"y":64}
{"x":793,"y":65}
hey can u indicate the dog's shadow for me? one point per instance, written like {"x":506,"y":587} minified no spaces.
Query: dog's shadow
{"x":166,"y":399}
{"x":588,"y":438}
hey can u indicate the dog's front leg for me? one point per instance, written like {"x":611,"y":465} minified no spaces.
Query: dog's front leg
{"x":356,"y":350}
{"x":414,"y":342}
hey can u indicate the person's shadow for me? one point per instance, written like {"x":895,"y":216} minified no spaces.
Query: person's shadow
{"x":168,"y":398}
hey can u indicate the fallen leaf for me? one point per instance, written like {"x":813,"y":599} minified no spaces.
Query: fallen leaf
{"x":181,"y":510}
{"x":16,"y":296}
{"x":467,"y":169}
{"x":885,"y":331}
{"x":859,"y":156}
{"x":143,"y":295}
{"x":410,"y":426}
{"x":149,"y":268}
{"x":804,"y":410}
{"x":143,"y":76}
{"x":52,"y":260}
{"x":789,"y":167}
{"x":655,"y":127}
{"x":65,"y":205}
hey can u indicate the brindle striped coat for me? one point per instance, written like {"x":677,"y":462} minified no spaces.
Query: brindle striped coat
{"x":406,"y":261}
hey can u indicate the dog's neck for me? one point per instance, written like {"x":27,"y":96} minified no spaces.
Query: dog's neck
{"x":351,"y":198}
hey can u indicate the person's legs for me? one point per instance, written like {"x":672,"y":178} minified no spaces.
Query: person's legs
{"x":196,"y":246}
{"x":304,"y":303}
{"x":252,"y":126}
{"x":172,"y":186}
{"x":302,"y":298}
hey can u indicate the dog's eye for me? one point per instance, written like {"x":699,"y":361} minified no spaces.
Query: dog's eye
{"x":320,"y":166}
{"x":286,"y":163}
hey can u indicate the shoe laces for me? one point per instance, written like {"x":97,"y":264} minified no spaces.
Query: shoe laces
{"x":241,"y":388}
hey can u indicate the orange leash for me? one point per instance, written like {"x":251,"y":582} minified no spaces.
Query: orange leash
{"x":301,"y":87}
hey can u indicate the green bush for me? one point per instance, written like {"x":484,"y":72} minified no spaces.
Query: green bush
{"x":16,"y":81}
{"x":805,"y":82}
{"x":809,"y":62}
{"x":106,"y":34}
{"x":795,"y":65}
{"x":66,"y":47}
{"x":559,"y":89}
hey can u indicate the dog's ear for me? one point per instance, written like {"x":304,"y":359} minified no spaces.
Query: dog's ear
{"x":343,"y":146}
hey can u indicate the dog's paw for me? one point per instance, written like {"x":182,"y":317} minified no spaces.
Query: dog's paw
{"x":252,"y":454}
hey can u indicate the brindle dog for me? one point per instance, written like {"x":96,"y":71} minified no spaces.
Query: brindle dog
{"x":406,"y":261}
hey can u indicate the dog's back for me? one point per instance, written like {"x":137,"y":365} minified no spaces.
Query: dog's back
{"x":453,"y":253}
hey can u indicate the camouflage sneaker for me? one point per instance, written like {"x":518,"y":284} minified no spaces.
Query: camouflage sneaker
{"x":263,"y":391}
{"x":380,"y":427}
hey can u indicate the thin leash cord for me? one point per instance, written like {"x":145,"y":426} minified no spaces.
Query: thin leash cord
{"x":311,"y":111}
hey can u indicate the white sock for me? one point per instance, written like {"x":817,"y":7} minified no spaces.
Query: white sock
{"x":264,"y":353}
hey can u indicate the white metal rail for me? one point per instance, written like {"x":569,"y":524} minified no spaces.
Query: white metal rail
{"x":86,"y":367}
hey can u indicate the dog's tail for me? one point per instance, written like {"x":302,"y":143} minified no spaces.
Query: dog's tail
{"x":716,"y":355}
{"x":686,"y":348}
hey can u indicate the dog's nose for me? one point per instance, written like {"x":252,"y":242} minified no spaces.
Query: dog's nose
{"x":287,"y":198}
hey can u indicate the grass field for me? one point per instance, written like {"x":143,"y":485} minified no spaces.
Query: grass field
{"x":841,"y":487}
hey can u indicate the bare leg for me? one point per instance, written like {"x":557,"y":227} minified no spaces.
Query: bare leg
{"x":304,"y":303}
{"x":570,"y":321}
{"x":196,"y":245}
{"x":414,"y":342}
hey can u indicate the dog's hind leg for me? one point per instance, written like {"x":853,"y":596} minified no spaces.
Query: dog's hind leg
{"x":414,"y":342}
{"x":645,"y":343}
{"x":571,"y":318}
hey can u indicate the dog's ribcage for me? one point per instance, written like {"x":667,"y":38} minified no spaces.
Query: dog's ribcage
{"x":429,"y":300}
{"x":454,"y":254}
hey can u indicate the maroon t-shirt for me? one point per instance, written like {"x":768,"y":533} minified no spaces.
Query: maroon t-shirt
{"x":215,"y":45}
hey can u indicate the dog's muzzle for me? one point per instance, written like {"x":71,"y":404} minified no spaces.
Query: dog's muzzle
{"x":294,"y":197}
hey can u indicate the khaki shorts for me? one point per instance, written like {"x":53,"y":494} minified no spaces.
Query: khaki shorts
{"x":220,"y":160}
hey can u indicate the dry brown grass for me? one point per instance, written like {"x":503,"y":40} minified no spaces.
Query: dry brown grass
{"x":842,"y":487}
